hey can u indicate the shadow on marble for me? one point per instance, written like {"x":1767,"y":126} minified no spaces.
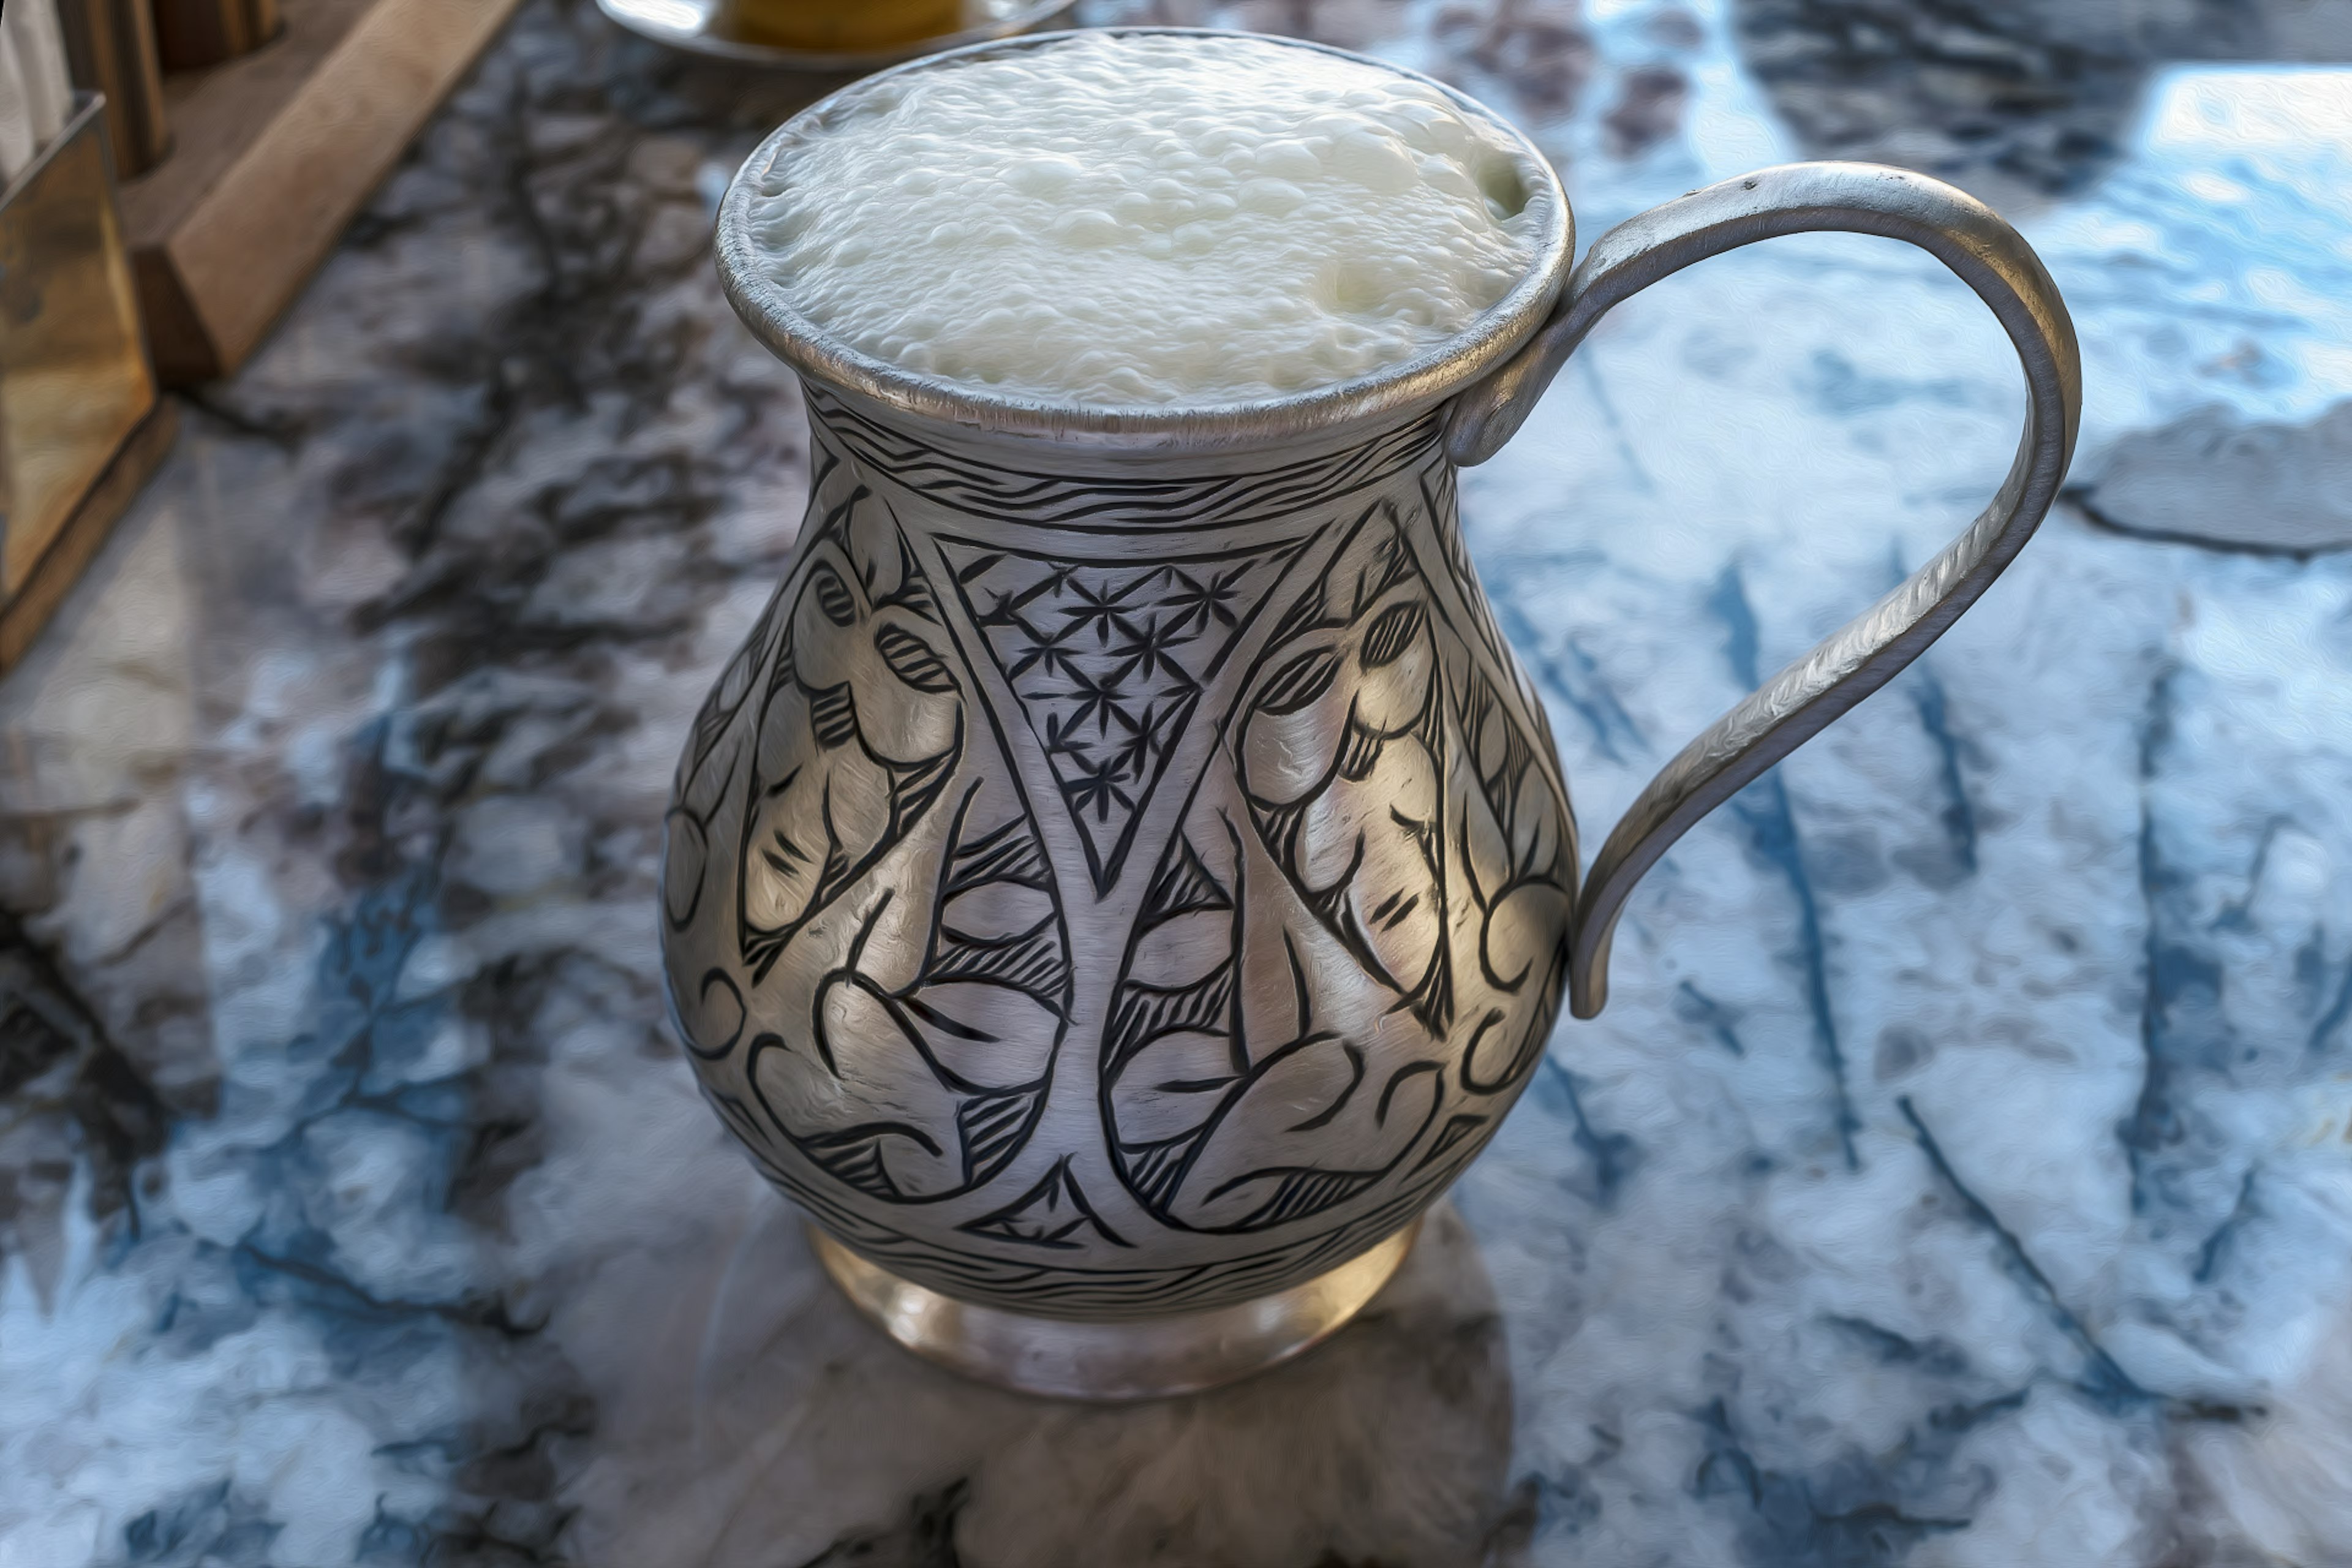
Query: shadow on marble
{"x":797,"y":1434}
{"x":2209,"y":478}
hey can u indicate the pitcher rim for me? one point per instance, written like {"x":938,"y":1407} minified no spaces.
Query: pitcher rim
{"x":1404,"y":387}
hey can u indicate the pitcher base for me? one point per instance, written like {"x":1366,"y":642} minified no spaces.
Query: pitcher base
{"x":1148,"y":1358}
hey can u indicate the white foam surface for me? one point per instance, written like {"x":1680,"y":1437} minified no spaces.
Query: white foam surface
{"x":1148,"y":220}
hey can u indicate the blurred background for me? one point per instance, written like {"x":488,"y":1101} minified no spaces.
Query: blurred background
{"x":1961,"y":1173}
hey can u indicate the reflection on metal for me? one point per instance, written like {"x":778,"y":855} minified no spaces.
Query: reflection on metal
{"x":193,"y":34}
{"x":709,"y":28}
{"x":1062,"y":1358}
{"x":1124,"y":875}
{"x":110,"y":49}
{"x":74,"y":380}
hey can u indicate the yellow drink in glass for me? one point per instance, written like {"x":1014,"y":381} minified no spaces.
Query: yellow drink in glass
{"x":844,"y":23}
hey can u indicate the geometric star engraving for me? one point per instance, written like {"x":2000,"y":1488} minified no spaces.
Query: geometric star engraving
{"x":1109,"y":661}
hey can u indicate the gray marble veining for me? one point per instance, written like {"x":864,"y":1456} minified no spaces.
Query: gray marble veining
{"x":1962,"y":1174}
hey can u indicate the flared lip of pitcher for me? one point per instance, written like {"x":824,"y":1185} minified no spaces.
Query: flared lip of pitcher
{"x":1397,"y":390}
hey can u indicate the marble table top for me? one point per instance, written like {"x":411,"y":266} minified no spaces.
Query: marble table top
{"x":1961,"y":1174}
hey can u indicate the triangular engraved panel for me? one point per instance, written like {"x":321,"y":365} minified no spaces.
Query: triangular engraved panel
{"x":1053,"y":1213}
{"x":1109,"y":660}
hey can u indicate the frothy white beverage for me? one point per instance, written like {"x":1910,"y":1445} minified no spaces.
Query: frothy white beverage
{"x":1145,"y":219}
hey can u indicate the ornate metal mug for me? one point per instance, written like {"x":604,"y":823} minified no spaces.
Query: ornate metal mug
{"x":1124,"y":876}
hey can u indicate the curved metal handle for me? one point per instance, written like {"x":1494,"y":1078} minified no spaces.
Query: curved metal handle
{"x":1855,"y":661}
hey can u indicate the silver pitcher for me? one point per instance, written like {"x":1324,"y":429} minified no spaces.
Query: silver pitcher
{"x":1124,"y":876}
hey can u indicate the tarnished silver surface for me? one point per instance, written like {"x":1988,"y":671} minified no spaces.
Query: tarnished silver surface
{"x":1125,"y":873}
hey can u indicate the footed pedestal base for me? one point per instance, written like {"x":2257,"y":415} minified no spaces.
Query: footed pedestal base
{"x":1146,"y":1358}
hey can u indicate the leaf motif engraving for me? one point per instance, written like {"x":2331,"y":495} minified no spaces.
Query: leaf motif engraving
{"x":862,"y":728}
{"x":1345,"y":959}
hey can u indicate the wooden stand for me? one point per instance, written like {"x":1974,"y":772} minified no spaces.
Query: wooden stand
{"x":273,"y":155}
